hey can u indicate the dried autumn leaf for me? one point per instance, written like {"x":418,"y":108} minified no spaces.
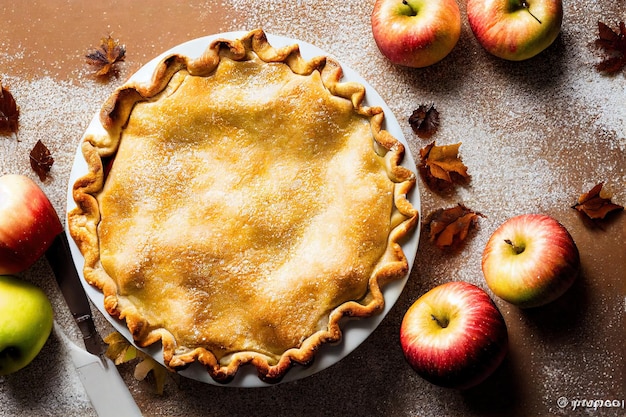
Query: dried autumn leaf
{"x":105,"y":58}
{"x":594,"y":205}
{"x":9,"y":112}
{"x":120,"y":351}
{"x":424,"y":120}
{"x":41,"y":160}
{"x":159,"y":372}
{"x":614,"y":45}
{"x":450,"y":227}
{"x":441,"y":166}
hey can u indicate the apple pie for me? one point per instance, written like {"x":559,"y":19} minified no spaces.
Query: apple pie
{"x":239,"y":204}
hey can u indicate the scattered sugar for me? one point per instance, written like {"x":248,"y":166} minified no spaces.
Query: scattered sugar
{"x":504,"y":115}
{"x":518,"y":106}
{"x":534,"y":136}
{"x":57,"y":113}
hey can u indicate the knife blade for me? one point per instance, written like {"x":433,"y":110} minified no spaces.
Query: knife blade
{"x":105,"y":388}
{"x":60,"y":260}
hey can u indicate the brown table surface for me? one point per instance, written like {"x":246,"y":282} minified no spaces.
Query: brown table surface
{"x":535,"y":135}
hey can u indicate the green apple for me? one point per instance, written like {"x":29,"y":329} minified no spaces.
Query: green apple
{"x":25,"y":322}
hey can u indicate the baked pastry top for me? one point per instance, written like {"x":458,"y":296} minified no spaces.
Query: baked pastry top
{"x":239,"y":205}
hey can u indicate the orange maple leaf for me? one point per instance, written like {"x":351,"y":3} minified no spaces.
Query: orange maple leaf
{"x":594,"y":205}
{"x":441,"y":166}
{"x":105,"y":58}
{"x":450,"y":227}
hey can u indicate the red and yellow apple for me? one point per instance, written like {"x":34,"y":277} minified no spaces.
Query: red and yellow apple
{"x":530,"y":260}
{"x":25,"y":323}
{"x":454,"y":335}
{"x":515,"y":29}
{"x":416,"y":33}
{"x":28,"y":223}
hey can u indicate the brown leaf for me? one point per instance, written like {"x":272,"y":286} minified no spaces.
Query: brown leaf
{"x":424,"y":120}
{"x":41,"y":160}
{"x":441,"y":166}
{"x":593,"y":205}
{"x":614,"y":45}
{"x":450,"y":227}
{"x":105,"y":58}
{"x":9,"y":112}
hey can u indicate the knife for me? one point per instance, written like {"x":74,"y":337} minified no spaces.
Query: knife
{"x":105,"y":388}
{"x":60,"y":260}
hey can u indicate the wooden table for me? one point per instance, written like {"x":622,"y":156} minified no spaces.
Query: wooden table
{"x":535,"y":135}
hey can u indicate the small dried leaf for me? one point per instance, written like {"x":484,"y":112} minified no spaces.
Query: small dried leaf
{"x":41,"y":160}
{"x":449,"y":227}
{"x":9,"y":112}
{"x":148,"y":364}
{"x":594,"y":205}
{"x":120,"y":351}
{"x":424,"y":120}
{"x":441,"y":166}
{"x":614,"y":45}
{"x":105,"y":58}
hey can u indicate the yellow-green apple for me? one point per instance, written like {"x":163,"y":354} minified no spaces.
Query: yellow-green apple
{"x":515,"y":29}
{"x":25,"y":323}
{"x":454,"y":335}
{"x":530,"y":260}
{"x":416,"y":33}
{"x":28,"y":223}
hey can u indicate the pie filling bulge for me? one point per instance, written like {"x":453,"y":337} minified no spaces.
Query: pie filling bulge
{"x":239,"y":204}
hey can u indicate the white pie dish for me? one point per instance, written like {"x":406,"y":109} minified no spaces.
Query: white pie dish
{"x":354,"y":331}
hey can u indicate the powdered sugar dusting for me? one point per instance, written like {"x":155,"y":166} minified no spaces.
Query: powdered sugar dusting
{"x":534,"y":136}
{"x":509,"y":134}
{"x":57,"y":113}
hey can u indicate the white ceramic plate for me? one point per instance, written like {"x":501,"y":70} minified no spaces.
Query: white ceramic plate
{"x":354,"y":331}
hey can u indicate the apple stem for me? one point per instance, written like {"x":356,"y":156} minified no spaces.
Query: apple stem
{"x":442,"y":323}
{"x":516,"y":248}
{"x":406,"y":3}
{"x":526,"y":6}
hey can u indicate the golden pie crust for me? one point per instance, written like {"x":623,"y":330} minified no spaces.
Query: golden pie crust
{"x":239,"y":205}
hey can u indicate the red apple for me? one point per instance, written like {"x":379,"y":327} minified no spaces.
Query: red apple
{"x":416,"y":33}
{"x":515,"y":29}
{"x":454,"y":335}
{"x":28,"y":223}
{"x":530,"y":260}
